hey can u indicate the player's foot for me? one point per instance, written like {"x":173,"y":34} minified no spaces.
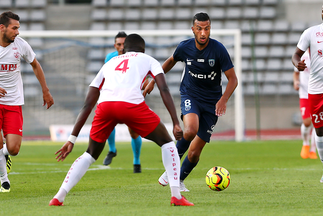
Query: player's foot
{"x":312,"y":155}
{"x":163,"y":179}
{"x":305,"y":151}
{"x":55,"y":202}
{"x":182,"y":187}
{"x":180,"y":202}
{"x":108,"y":159}
{"x":9,"y":163}
{"x":5,"y":187}
{"x":136,"y":168}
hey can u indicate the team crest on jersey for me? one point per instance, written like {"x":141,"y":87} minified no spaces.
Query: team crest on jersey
{"x":16,"y":54}
{"x":211,"y":62}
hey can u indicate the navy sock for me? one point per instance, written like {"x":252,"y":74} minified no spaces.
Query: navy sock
{"x":182,"y":146}
{"x":186,"y":168}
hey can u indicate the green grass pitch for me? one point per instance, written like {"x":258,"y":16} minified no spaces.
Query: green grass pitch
{"x":267,"y":178}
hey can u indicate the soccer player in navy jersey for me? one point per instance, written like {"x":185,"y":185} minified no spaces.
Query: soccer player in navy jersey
{"x":202,"y":101}
{"x":136,"y":140}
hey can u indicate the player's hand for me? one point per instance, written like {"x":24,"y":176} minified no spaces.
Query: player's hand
{"x":296,"y":85}
{"x":3,"y":92}
{"x":178,"y":132}
{"x":64,"y":151}
{"x":149,"y":88}
{"x":48,"y":99}
{"x":220,"y":107}
{"x":301,"y":65}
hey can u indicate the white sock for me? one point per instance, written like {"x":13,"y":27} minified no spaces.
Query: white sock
{"x":319,"y":146}
{"x":171,"y":163}
{"x":5,"y":150}
{"x":305,"y":133}
{"x":313,"y":144}
{"x":3,"y":168}
{"x":74,"y":175}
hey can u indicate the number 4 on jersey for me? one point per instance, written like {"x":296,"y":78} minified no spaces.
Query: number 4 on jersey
{"x":123,"y":66}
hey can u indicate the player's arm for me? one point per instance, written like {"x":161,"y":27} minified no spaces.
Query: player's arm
{"x":296,"y":60}
{"x":221,"y":105}
{"x":167,"y":66}
{"x":296,"y":80}
{"x":90,"y":101}
{"x":169,"y":103}
{"x":3,"y":92}
{"x":47,"y":97}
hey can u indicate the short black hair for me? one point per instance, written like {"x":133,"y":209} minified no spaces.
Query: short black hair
{"x":134,"y":42}
{"x":201,"y":17}
{"x":6,"y":16}
{"x":120,"y":34}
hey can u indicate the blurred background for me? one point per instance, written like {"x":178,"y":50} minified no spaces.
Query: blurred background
{"x":270,"y":30}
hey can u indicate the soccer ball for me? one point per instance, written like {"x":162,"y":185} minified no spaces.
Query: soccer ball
{"x":217,"y":178}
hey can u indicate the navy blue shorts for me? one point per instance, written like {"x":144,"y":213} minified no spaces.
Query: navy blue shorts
{"x":205,"y":112}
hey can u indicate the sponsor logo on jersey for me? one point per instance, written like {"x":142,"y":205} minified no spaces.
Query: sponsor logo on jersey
{"x":8,"y":67}
{"x":211,"y":62}
{"x":203,"y":76}
{"x":200,"y":60}
{"x":319,"y":52}
{"x":319,"y":41}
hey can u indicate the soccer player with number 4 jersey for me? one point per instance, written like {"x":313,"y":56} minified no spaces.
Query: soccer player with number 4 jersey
{"x":202,"y":101}
{"x":312,"y":39}
{"x":117,"y":89}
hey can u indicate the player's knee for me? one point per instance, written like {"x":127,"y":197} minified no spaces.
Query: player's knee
{"x":193,"y":156}
{"x":14,"y":151}
{"x":189,"y":134}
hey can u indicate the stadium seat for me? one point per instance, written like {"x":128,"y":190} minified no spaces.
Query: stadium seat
{"x":99,"y":3}
{"x":276,"y":52}
{"x":234,"y":13}
{"x":262,"y":38}
{"x":94,"y":66}
{"x":29,"y":79}
{"x":260,"y":65}
{"x":196,"y":10}
{"x":23,"y":14}
{"x":217,"y":13}
{"x":97,"y":26}
{"x":31,"y":91}
{"x":252,"y":2}
{"x":22,"y":3}
{"x":131,"y":26}
{"x":289,"y":51}
{"x":234,"y":2}
{"x":218,"y":2}
{"x":114,"y":14}
{"x":245,"y":65}
{"x":271,"y":77}
{"x":279,"y":38}
{"x":261,"y":51}
{"x":246,"y":52}
{"x":185,"y":2}
{"x":293,"y":38}
{"x":216,"y":24}
{"x":36,"y":42}
{"x":268,"y":89}
{"x":165,"y":25}
{"x":270,"y":2}
{"x":298,"y":27}
{"x":281,"y":25}
{"x":274,"y":64}
{"x":167,"y":2}
{"x":202,"y":3}
{"x":132,"y":14}
{"x":183,"y":14}
{"x":117,"y":3}
{"x":114,"y":25}
{"x":267,"y":13}
{"x":38,"y":15}
{"x":285,"y":89}
{"x":231,"y":24}
{"x":265,"y":26}
{"x":5,"y":4}
{"x":38,"y":3}
{"x":148,"y":25}
{"x":99,"y":15}
{"x":286,"y":77}
{"x":250,"y":13}
{"x":182,"y":25}
{"x":96,"y":54}
{"x":134,"y":3}
{"x":149,"y":14}
{"x":150,"y":3}
{"x":288,"y":65}
{"x":166,"y":14}
{"x":37,"y":26}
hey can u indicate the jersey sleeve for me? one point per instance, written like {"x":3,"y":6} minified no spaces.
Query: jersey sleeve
{"x":98,"y":81}
{"x":178,"y":53}
{"x":304,"y":41}
{"x":155,"y":67}
{"x":28,"y":53}
{"x":225,"y":59}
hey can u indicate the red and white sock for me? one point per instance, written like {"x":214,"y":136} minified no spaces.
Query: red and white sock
{"x":305,"y":133}
{"x":75,"y":173}
{"x":171,"y":163}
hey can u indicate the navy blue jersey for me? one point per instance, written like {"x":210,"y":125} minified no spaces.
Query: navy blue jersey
{"x":203,"y":69}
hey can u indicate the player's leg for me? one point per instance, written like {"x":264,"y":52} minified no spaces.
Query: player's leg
{"x":77,"y":171}
{"x":306,"y":127}
{"x":136,"y":143}
{"x":312,"y":154}
{"x":112,"y":148}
